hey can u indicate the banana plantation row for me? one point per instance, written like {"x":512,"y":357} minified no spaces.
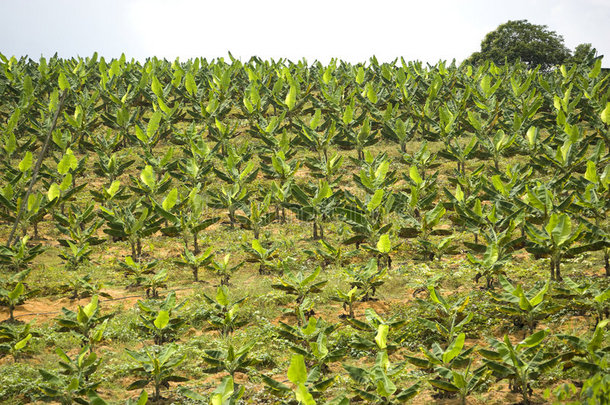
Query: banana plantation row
{"x":382,"y":161}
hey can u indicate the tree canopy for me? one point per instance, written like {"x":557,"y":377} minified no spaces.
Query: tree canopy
{"x":521,"y":40}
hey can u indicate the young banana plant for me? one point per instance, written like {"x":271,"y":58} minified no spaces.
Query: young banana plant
{"x":554,"y":240}
{"x":301,"y":286}
{"x":521,"y":363}
{"x":313,"y":205}
{"x":223,"y":269}
{"x":448,"y":317}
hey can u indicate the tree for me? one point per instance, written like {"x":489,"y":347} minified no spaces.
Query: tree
{"x":584,"y":53}
{"x":520,"y":40}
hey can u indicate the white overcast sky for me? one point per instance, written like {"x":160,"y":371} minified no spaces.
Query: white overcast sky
{"x":353,"y":30}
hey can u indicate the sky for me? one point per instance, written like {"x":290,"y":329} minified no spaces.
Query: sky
{"x":352,"y":30}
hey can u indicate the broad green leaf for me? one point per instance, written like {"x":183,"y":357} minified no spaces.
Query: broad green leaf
{"x":162,"y":319}
{"x":297,"y":373}
{"x":454,"y":348}
{"x":54,"y":192}
{"x":156,"y":87}
{"x":68,"y":162}
{"x":23,"y":342}
{"x":291,"y":97}
{"x":591,"y":173}
{"x":64,"y":84}
{"x":382,"y":336}
{"x":170,"y":200}
{"x":384,"y":245}
{"x":303,"y":396}
{"x":153,"y":124}
{"x":148,"y":176}
{"x":26,"y":162}
{"x":414,"y":175}
{"x":17,"y":291}
{"x":189,"y":83}
{"x":376,"y":200}
{"x":535,"y":339}
{"x":605,"y":114}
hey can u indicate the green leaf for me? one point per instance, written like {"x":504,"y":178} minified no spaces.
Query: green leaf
{"x":64,"y":84}
{"x":54,"y":192}
{"x":170,"y":200}
{"x":162,"y":319}
{"x":297,"y":373}
{"x":189,"y":83}
{"x":535,"y":339}
{"x":605,"y":114}
{"x":26,"y":162}
{"x":23,"y":342}
{"x":414,"y":175}
{"x":153,"y":124}
{"x":454,"y":348}
{"x":16,"y":293}
{"x":68,"y":162}
{"x":148,"y":177}
{"x":591,"y":173}
{"x":384,"y":245}
{"x":156,"y":87}
{"x":291,"y":97}
{"x":376,"y":200}
{"x":303,"y":396}
{"x":382,"y":336}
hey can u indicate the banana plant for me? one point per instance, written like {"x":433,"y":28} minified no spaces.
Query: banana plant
{"x":231,"y":360}
{"x":330,"y":255}
{"x":348,"y":299}
{"x":223,"y":269}
{"x":521,"y":363}
{"x":528,"y":306}
{"x":307,"y":384}
{"x":183,"y":214}
{"x":83,"y":287}
{"x":157,"y":366}
{"x":400,"y":132}
{"x":221,"y":312}
{"x":497,"y":252}
{"x":312,"y":341}
{"x":74,"y":383}
{"x":154,"y":281}
{"x":449,"y":318}
{"x":12,"y":291}
{"x":130,"y":222}
{"x":301,"y":286}
{"x":375,"y":386}
{"x":16,"y":258}
{"x":383,"y":249}
{"x":587,"y":354}
{"x":425,"y":227}
{"x":160,"y":320}
{"x":195,"y":262}
{"x":313,"y":205}
{"x":374,"y":332}
{"x":423,"y":159}
{"x":586,"y":297}
{"x":231,"y":199}
{"x":375,"y":174}
{"x":367,"y":278}
{"x":14,"y":339}
{"x":267,"y":258}
{"x":367,"y":218}
{"x":257,"y":216}
{"x":84,"y":323}
{"x":137,"y":269}
{"x":555,"y":240}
